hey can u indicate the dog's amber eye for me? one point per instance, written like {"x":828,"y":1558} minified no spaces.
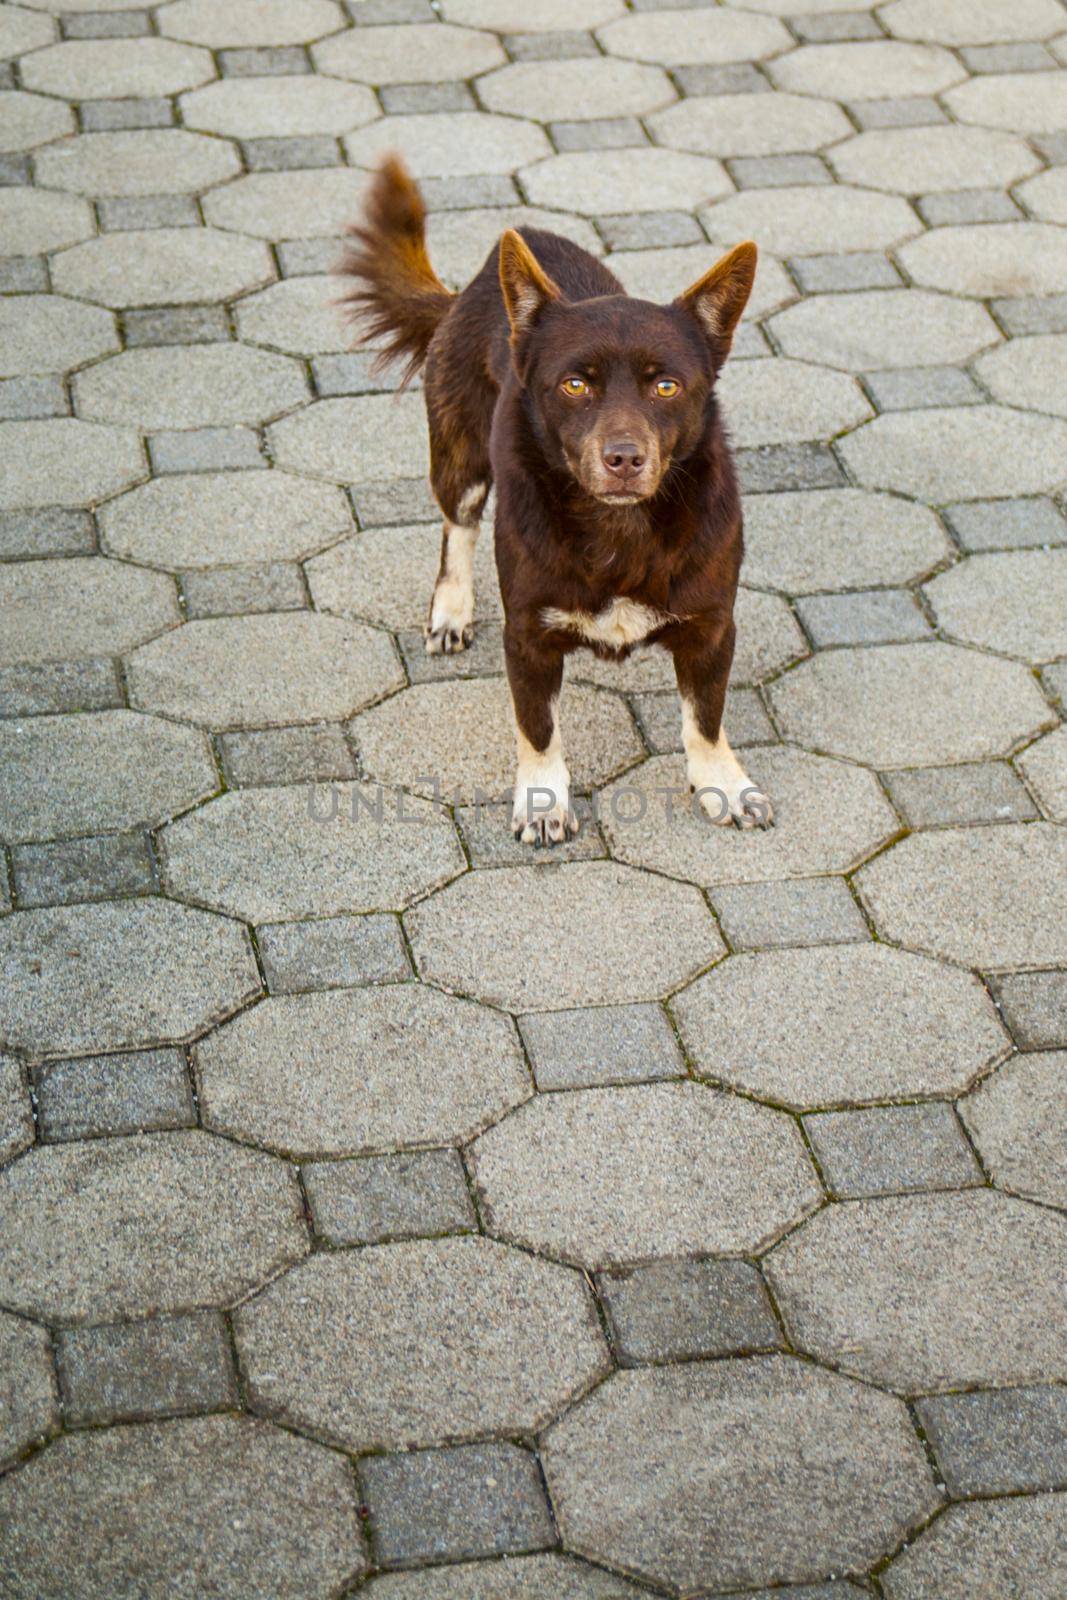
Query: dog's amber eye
{"x":667,"y":388}
{"x":575,"y":387}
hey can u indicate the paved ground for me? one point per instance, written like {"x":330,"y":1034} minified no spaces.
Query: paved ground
{"x":386,"y":1208}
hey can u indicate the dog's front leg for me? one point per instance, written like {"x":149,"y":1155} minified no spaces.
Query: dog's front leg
{"x":541,"y":813}
{"x":717,"y":778}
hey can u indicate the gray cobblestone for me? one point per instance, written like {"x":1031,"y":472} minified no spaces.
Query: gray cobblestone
{"x":236,"y":591}
{"x":33,"y":397}
{"x":176,"y":325}
{"x":279,"y":155}
{"x":549,"y":46}
{"x":1044,"y":314}
{"x":777,"y":172}
{"x":734,"y":78}
{"x":909,"y":388}
{"x":285,"y":755}
{"x":89,"y":1096}
{"x":405,"y":97}
{"x":466,"y":193}
{"x":107,"y":25}
{"x":833,"y":26}
{"x":91,"y":684}
{"x":374,"y":13}
{"x":916,"y":111}
{"x":1034,"y":1006}
{"x":1022,"y":57}
{"x":422,"y":1194}
{"x":605,"y":133}
{"x":380,"y":505}
{"x":774,"y":467}
{"x":204,"y":450}
{"x":892,"y":1149}
{"x":648,"y":230}
{"x":968,"y":205}
{"x":49,"y":531}
{"x":796,"y":911}
{"x":985,"y":791}
{"x":14,"y":169}
{"x":83,"y":869}
{"x":680,"y":1310}
{"x":133,"y":1371}
{"x":111,"y":116}
{"x":121,"y":213}
{"x":829,"y":274}
{"x":274,"y":62}
{"x":332,"y":953}
{"x":299,"y":257}
{"x":996,"y":1441}
{"x":606,"y":1044}
{"x":352,"y":374}
{"x":23,"y":274}
{"x":877,"y":616}
{"x":1006,"y":524}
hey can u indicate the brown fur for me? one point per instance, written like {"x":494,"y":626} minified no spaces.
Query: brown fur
{"x":574,"y":529}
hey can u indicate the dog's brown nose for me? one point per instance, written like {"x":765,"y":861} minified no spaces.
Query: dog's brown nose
{"x":623,"y":457}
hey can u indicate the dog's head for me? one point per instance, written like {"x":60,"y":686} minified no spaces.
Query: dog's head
{"x":620,"y":386}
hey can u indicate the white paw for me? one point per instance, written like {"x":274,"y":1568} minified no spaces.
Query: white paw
{"x":541,"y":814}
{"x":736,"y":802}
{"x":447,"y":638}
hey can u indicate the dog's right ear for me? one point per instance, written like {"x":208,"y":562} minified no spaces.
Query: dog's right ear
{"x":527,"y":288}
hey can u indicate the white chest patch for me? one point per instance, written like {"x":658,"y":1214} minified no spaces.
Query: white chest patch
{"x":622,"y":622}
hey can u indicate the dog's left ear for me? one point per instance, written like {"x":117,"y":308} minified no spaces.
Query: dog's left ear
{"x":719,"y":297}
{"x":527,"y":287}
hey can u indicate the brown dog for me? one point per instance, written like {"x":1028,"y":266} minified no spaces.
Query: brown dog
{"x":618,"y":518}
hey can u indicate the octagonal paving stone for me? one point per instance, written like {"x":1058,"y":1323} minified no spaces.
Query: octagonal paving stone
{"x":31,"y":119}
{"x":276,"y":853}
{"x":648,"y":180}
{"x":934,"y":703}
{"x":227,"y":1506}
{"x":1011,"y":601}
{"x":397,"y":53}
{"x":249,"y":23}
{"x":959,"y":453}
{"x":981,"y":1302}
{"x":594,"y":86}
{"x":838,"y":539}
{"x":118,"y":974}
{"x":713,"y":1476}
{"x":348,"y":1345}
{"x":149,"y":161}
{"x":776,"y":401}
{"x":278,"y":668}
{"x":997,"y":258}
{"x":1011,"y":1548}
{"x":924,"y":160}
{"x":80,"y":605}
{"x":45,"y":333}
{"x":1044,"y":766}
{"x":298,"y":315}
{"x":456,"y":145}
{"x":725,"y":125}
{"x":830,"y":815}
{"x":16,"y":1113}
{"x":95,"y":69}
{"x":659,"y":275}
{"x":199,"y":386}
{"x":29,"y":1402}
{"x":986,"y":896}
{"x":879,"y":1024}
{"x":287,"y":105}
{"x":1030,"y":103}
{"x":602,"y":1177}
{"x":712,"y":38}
{"x":97,"y":771}
{"x":347,"y":1073}
{"x":1018,"y":1120}
{"x":205,"y":519}
{"x":460,"y":241}
{"x":36,"y":220}
{"x":355,"y":440}
{"x":21,"y":31}
{"x":1029,"y":372}
{"x":544,"y":1577}
{"x":812,"y":219}
{"x":66,"y":462}
{"x":581,"y":934}
{"x":386,"y":575}
{"x":956,"y":22}
{"x":162,"y":267}
{"x":515,"y":16}
{"x":878,"y":328}
{"x":111,"y":1228}
{"x":875,"y":70}
{"x":465,"y":743}
{"x":1046,"y":196}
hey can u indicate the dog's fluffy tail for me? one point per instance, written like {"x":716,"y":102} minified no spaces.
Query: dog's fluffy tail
{"x":396,"y":291}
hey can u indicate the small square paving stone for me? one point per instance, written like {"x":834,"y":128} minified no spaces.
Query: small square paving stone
{"x":1026,"y":56}
{"x":300,"y":258}
{"x":14,"y":169}
{"x":379,"y":1198}
{"x":648,"y":230}
{"x":1034,"y":1006}
{"x":176,"y":325}
{"x":382,"y":505}
{"x":874,"y":616}
{"x":601,"y":1045}
{"x":16,"y":1120}
{"x":107,"y":25}
{"x":549,"y":46}
{"x":133,"y":1371}
{"x":1053,"y":146}
{"x":733,"y":78}
{"x":353,"y":373}
{"x":103,"y":868}
{"x":473,"y":1500}
{"x":777,"y":172}
{"x":968,"y":205}
{"x":1040,"y":314}
{"x":1007,"y":524}
{"x":406,"y":97}
{"x":833,"y":27}
{"x":115,"y":116}
{"x":792,"y":911}
{"x":466,"y":192}
{"x":310,"y":754}
{"x":914,"y":111}
{"x":679,"y":1310}
{"x":204,"y":450}
{"x":22,"y":274}
{"x":49,"y":531}
{"x":862,"y":269}
{"x":659,"y":718}
{"x":277,"y":62}
{"x":887,"y":1149}
{"x":332,"y":953}
{"x":994,"y":1441}
{"x":33,"y":397}
{"x":54,"y":686}
{"x":603,"y":133}
{"x":90,"y":1096}
{"x":774,"y":467}
{"x":121,"y":213}
{"x":908,"y":388}
{"x":280,"y":155}
{"x":238,"y":591}
{"x":978,"y":791}
{"x":373,"y":13}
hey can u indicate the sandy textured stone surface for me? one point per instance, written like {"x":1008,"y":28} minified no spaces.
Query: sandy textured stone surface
{"x":119,"y":974}
{"x":867,"y":71}
{"x":66,"y":462}
{"x":154,"y":1222}
{"x":650,"y":180}
{"x":959,"y":22}
{"x":162,"y":267}
{"x":31,"y":119}
{"x":45,"y":333}
{"x":998,"y":258}
{"x":590,"y":87}
{"x":732,"y":125}
{"x":542,"y":1577}
{"x":807,"y":221}
{"x":96,"y":69}
{"x":959,"y":453}
{"x":452,"y":146}
{"x":773,"y":402}
{"x":29,"y":1399}
{"x":150,"y":161}
{"x":278,"y":106}
{"x":603,"y":1176}
{"x":1014,"y":603}
{"x":848,"y":1474}
{"x":714,"y":38}
{"x":1004,"y":1547}
{"x":207,"y":385}
{"x":226,"y":1505}
{"x":299,"y":315}
{"x":342,"y":1073}
{"x":925,"y":160}
{"x":1017,"y":1119}
{"x":349,"y":1345}
{"x":987,"y":897}
{"x":82,"y":606}
{"x":879,"y":1024}
{"x":1031,"y":103}
{"x":33,"y":221}
{"x":837,"y":539}
{"x":608,"y":936}
{"x":358,"y":440}
{"x":973,"y":1258}
{"x":387,"y":575}
{"x":1030,"y":373}
{"x":1044,"y":766}
{"x":250,"y":24}
{"x":294,"y":851}
{"x":884,"y":328}
{"x":16,"y":1112}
